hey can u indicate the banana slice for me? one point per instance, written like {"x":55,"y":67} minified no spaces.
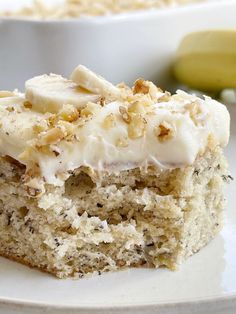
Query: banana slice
{"x":94,"y":83}
{"x":48,"y":93}
{"x":9,"y":98}
{"x":6,"y":94}
{"x":207,"y":60}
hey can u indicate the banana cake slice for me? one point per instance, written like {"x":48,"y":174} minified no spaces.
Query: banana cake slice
{"x":96,"y":177}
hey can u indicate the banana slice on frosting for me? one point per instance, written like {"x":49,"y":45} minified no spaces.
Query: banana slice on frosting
{"x":93,"y":82}
{"x":48,"y":93}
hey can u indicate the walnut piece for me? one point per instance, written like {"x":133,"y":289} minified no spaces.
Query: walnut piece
{"x":69,"y":113}
{"x":102,"y":101}
{"x":27,"y":104}
{"x":109,"y":121}
{"x":124,"y":113}
{"x":194,"y":109}
{"x":149,"y":89}
{"x":89,"y":110}
{"x":39,"y":127}
{"x":137,"y":126}
{"x":52,"y":136}
{"x":52,"y":120}
{"x":68,"y":129}
{"x":164,"y":131}
{"x":137,"y":107}
{"x":140,"y":87}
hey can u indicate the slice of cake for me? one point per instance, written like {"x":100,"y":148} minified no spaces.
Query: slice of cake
{"x":96,"y":177}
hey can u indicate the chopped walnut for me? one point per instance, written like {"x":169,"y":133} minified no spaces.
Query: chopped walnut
{"x":68,"y":129}
{"x":164,"y":131}
{"x":146,"y":87}
{"x":109,"y":122}
{"x":145,"y":101}
{"x":124,"y":113}
{"x":102,"y":101}
{"x":69,"y":113}
{"x":86,"y":112}
{"x":137,"y":126}
{"x":90,"y":109}
{"x":194,"y":110}
{"x":52,"y":120}
{"x":140,"y":87}
{"x":39,"y":127}
{"x":52,"y":136}
{"x":137,"y":107}
{"x":27,"y":105}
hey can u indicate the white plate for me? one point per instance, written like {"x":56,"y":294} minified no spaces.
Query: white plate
{"x":121,"y":48}
{"x":206,"y":282}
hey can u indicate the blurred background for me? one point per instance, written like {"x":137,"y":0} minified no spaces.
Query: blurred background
{"x":120,"y":45}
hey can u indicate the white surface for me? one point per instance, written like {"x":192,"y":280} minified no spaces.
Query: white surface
{"x":121,"y":47}
{"x":205,"y":283}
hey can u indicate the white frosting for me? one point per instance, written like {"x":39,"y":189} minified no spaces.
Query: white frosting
{"x":96,"y":146}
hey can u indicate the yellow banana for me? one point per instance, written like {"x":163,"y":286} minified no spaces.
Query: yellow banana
{"x":207,"y":60}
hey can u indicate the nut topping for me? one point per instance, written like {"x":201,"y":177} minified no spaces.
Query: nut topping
{"x":137,"y":127}
{"x":69,"y":113}
{"x":52,"y":136}
{"x":140,"y":87}
{"x":164,"y":131}
{"x":124,"y":113}
{"x":109,"y":122}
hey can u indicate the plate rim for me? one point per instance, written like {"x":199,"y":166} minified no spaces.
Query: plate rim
{"x":206,"y":301}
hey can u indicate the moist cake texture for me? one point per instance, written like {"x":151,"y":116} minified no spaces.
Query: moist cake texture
{"x":96,"y":177}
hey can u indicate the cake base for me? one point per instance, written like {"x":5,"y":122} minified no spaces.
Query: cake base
{"x":101,"y":222}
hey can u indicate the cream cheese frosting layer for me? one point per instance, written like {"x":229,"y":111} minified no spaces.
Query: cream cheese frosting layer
{"x":118,"y":135}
